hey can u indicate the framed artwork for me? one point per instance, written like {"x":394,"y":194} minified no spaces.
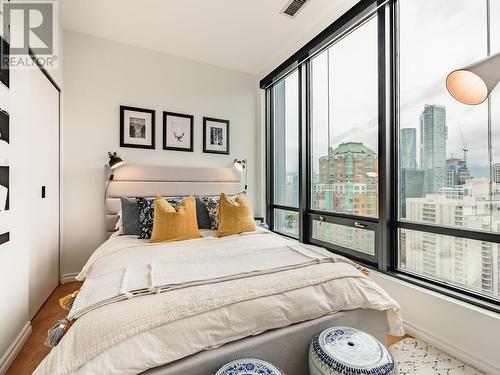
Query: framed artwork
{"x":178,"y":130}
{"x":5,"y":237}
{"x":4,"y":188}
{"x":4,"y":127}
{"x":4,"y":68}
{"x":137,"y":127}
{"x":215,"y":136}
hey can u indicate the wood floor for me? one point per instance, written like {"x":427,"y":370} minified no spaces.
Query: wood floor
{"x":34,"y":351}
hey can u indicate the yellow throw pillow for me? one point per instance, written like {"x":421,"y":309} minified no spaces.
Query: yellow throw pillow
{"x":174,"y":224}
{"x":235,"y":216}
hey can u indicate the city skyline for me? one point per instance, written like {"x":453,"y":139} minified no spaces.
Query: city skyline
{"x":449,"y":153}
{"x":436,"y":188}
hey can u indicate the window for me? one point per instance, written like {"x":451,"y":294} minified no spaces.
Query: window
{"x":344,"y":145}
{"x":446,"y":158}
{"x":285,"y":161}
{"x":391,"y":169}
{"x":344,"y":160}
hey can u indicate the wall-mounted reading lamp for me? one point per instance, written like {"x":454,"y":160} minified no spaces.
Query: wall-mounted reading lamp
{"x":241,"y":165}
{"x":114,"y":162}
{"x":474,"y":83}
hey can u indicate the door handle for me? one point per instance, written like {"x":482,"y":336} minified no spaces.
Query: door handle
{"x":43,"y":191}
{"x":357,"y":224}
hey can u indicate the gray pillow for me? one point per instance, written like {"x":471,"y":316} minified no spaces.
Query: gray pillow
{"x":130,"y":216}
{"x":202,"y":214}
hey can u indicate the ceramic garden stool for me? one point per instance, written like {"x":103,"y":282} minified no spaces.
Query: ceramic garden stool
{"x":349,"y":351}
{"x":249,"y":366}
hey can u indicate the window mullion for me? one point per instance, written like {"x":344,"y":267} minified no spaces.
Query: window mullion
{"x":304,"y":151}
{"x":269,"y":157}
{"x":385,"y":121}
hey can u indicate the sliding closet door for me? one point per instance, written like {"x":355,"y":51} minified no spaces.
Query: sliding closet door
{"x":43,"y":188}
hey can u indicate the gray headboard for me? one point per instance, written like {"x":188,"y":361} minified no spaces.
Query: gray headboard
{"x":167,"y":181}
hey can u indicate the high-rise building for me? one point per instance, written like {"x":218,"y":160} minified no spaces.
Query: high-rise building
{"x":411,"y":180}
{"x":353,"y":172}
{"x":456,"y":172}
{"x":408,"y":148}
{"x":411,"y":184}
{"x":467,"y":262}
{"x":433,"y":135}
{"x":496,"y":172}
{"x":292,"y":190}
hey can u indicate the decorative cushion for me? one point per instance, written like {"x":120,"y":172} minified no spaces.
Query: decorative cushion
{"x":349,"y":351}
{"x":130,"y":217}
{"x":202,"y":215}
{"x":212,"y":205}
{"x":146,"y":215}
{"x":249,"y":366}
{"x":235,"y":216}
{"x":174,"y":224}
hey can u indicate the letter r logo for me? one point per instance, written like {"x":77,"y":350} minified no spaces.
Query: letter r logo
{"x":29,"y":26}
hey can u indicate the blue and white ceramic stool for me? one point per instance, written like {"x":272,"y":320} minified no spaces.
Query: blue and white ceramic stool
{"x":249,"y":366}
{"x":349,"y":351}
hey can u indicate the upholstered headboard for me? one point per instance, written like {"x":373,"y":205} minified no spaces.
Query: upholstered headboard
{"x":149,"y":180}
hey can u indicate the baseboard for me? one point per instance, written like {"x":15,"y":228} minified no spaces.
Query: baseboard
{"x":14,"y":348}
{"x":68,"y":278}
{"x":451,"y":349}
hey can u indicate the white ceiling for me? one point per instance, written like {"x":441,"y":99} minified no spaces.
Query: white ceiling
{"x":245,"y":35}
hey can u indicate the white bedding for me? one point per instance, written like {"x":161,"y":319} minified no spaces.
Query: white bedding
{"x":148,"y":331}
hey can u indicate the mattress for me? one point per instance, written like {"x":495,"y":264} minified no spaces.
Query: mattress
{"x":149,"y":331}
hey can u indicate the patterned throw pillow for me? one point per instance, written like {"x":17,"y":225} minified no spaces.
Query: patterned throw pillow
{"x":146,"y":215}
{"x":212,"y":205}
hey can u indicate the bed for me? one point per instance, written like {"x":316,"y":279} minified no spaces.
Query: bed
{"x":256,"y":294}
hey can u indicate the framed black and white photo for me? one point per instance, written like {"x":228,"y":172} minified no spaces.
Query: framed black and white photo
{"x":215,"y":136}
{"x":137,"y":127}
{"x":4,"y":187}
{"x":178,"y":131}
{"x":5,"y":237}
{"x":4,"y":127}
{"x":4,"y":68}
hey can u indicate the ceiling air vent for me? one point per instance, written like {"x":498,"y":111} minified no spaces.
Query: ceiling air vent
{"x":293,"y":7}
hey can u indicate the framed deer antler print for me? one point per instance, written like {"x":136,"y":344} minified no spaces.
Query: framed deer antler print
{"x":178,"y":131}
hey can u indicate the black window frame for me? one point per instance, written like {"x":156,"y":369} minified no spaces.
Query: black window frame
{"x":388,"y":224}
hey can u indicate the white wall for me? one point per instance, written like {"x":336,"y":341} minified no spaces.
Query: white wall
{"x":463,"y":330}
{"x":99,"y":76}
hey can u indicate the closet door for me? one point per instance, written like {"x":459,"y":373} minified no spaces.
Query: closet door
{"x":43,"y":188}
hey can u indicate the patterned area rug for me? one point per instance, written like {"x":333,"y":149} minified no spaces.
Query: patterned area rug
{"x":416,"y":357}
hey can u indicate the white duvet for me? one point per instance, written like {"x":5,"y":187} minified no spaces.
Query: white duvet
{"x":143,"y":332}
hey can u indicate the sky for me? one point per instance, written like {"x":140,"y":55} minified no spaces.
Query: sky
{"x":454,"y":36}
{"x":436,"y":37}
